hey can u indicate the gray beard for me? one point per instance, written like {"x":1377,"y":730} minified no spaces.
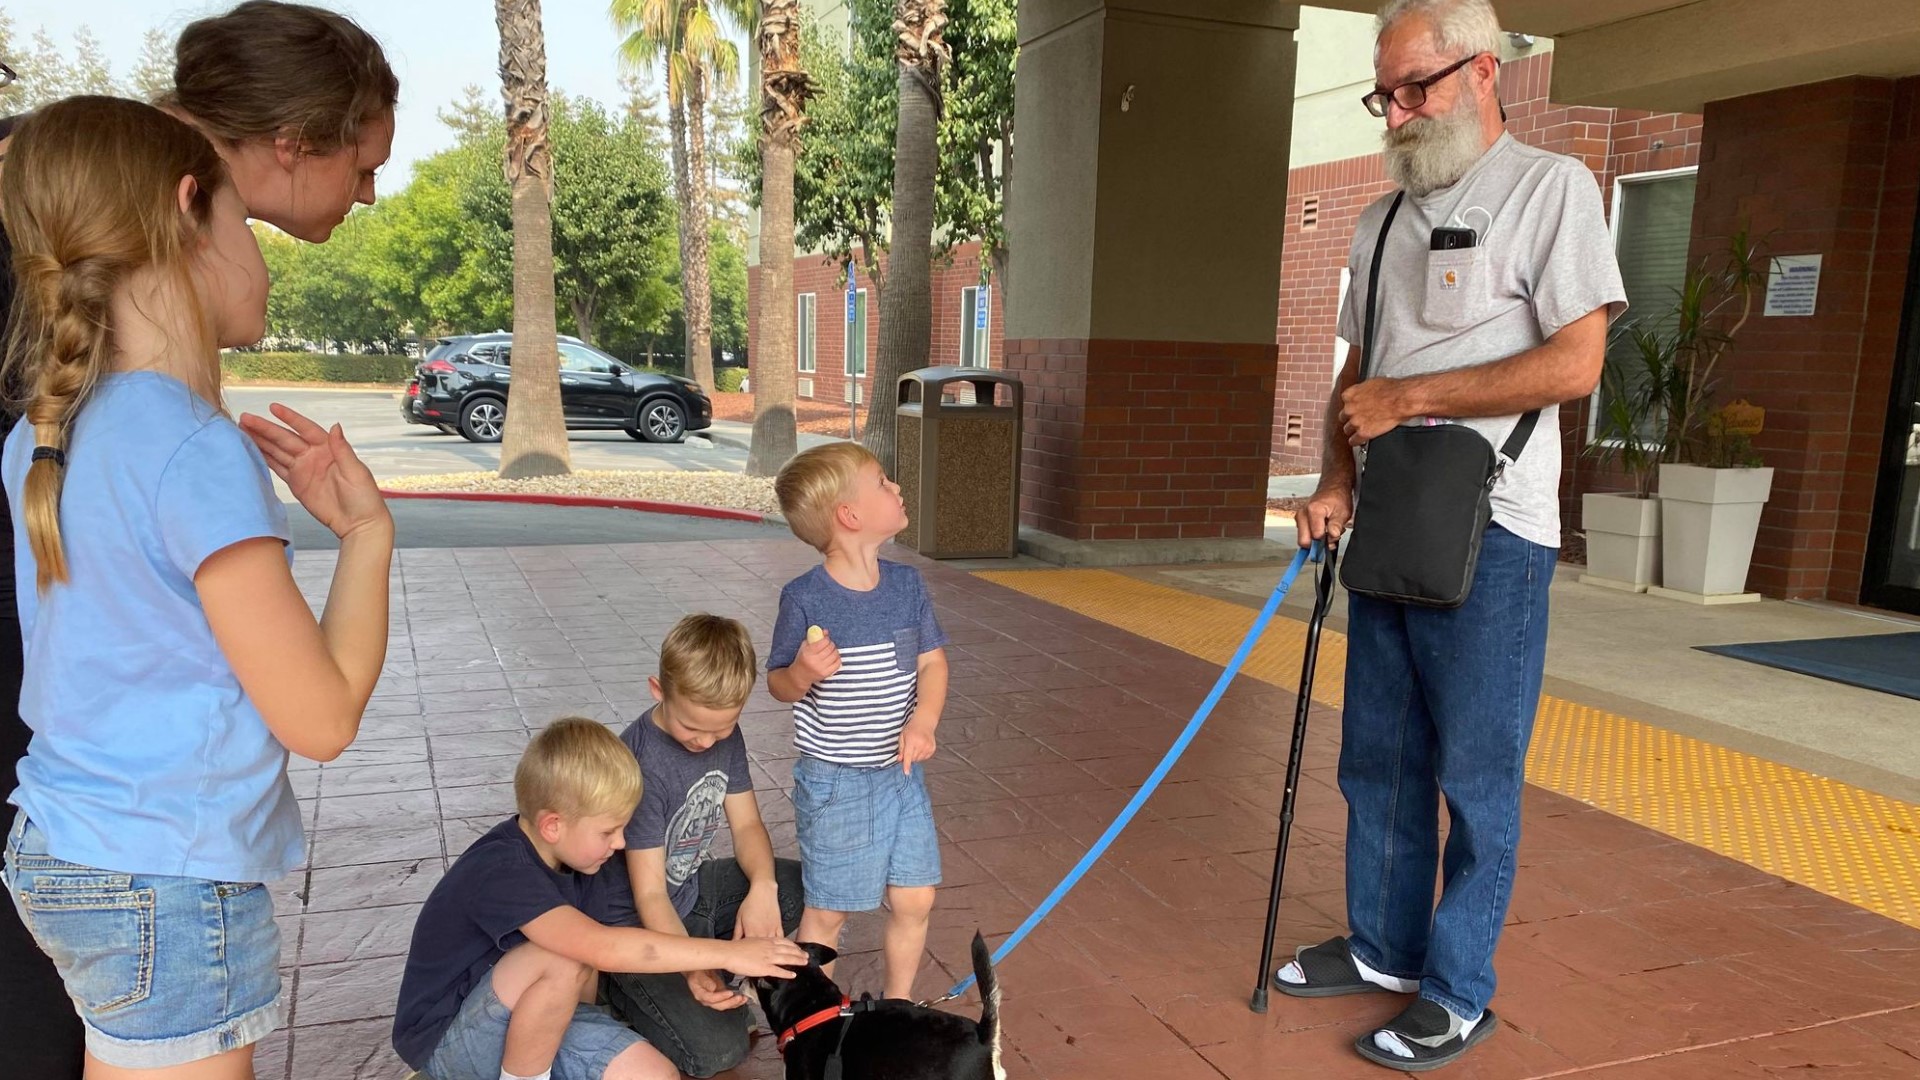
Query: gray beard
{"x":1430,"y":153}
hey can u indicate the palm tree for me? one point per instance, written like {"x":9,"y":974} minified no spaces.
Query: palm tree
{"x":684,"y":39}
{"x":906,"y":316}
{"x":535,"y":444}
{"x":784,"y":89}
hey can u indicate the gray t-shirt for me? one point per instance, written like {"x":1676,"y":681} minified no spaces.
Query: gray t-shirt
{"x":682,"y":800}
{"x":1544,"y":260}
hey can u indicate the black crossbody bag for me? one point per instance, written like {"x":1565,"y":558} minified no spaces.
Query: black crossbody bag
{"x":1424,"y":496}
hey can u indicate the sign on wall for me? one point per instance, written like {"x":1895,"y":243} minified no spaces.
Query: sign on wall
{"x":1793,"y":285}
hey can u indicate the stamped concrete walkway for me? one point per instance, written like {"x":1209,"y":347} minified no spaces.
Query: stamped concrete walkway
{"x":1629,"y":954}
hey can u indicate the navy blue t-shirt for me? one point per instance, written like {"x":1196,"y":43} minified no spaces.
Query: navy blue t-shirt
{"x":473,"y":918}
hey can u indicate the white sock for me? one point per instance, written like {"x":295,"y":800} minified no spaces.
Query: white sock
{"x":1292,"y":975}
{"x":543,"y":1074}
{"x":1391,"y":1043}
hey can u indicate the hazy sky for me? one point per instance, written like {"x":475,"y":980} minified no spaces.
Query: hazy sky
{"x":437,"y":47}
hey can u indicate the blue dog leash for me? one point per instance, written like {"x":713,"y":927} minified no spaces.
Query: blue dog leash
{"x":1300,"y":560}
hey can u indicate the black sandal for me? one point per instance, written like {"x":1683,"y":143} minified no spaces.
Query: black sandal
{"x":1330,"y":972}
{"x":1423,"y":1027}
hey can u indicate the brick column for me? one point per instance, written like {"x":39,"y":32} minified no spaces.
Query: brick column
{"x":1827,"y":169}
{"x":1146,"y":222}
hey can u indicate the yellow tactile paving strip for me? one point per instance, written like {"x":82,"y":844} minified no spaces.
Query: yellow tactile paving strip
{"x":1850,"y":844}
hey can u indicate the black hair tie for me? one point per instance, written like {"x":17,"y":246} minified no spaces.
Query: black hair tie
{"x":50,"y":453}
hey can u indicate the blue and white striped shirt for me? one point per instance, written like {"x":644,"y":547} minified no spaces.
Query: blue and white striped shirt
{"x":855,"y":716}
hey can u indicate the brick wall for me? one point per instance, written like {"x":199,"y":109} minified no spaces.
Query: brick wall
{"x":1144,"y":440}
{"x":813,"y":274}
{"x":1828,"y":169}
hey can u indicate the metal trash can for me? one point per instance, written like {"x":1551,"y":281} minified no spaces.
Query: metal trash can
{"x":957,"y":461}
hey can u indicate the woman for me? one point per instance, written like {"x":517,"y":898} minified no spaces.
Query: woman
{"x":299,"y":102}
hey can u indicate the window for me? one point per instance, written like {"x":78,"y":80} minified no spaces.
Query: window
{"x":1652,"y":224}
{"x":804,"y":331}
{"x":857,"y":336}
{"x":976,"y":326}
{"x":582,"y":359}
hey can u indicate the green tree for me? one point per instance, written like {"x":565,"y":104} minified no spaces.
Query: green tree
{"x":976,"y":130}
{"x":90,"y":72}
{"x":784,"y":90}
{"x":45,"y":75}
{"x":843,"y":182}
{"x":729,"y":275}
{"x":906,"y":311}
{"x":686,"y":40}
{"x":843,"y":175}
{"x":611,"y":211}
{"x":153,"y":73}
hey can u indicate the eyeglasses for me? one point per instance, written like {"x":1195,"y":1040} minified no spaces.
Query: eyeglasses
{"x":1413,"y":94}
{"x":6,"y":76}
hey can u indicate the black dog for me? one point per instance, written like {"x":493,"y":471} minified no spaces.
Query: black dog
{"x":823,"y":1036}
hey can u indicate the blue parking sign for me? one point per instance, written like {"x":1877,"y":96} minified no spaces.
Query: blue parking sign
{"x":852,"y":295}
{"x":980,"y":308}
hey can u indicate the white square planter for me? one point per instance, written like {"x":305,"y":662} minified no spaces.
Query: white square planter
{"x":1623,"y":541}
{"x":1709,"y":518}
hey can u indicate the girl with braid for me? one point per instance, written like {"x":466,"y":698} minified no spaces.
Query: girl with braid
{"x":171,"y":661}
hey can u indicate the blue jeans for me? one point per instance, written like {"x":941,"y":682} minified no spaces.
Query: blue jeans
{"x":1440,"y":702}
{"x":476,"y":1041}
{"x":862,"y":830}
{"x":162,"y":970}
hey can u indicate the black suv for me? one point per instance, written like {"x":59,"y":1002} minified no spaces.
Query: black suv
{"x":461,"y":386}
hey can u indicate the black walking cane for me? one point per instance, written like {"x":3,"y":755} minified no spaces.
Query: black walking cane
{"x":1322,"y":600}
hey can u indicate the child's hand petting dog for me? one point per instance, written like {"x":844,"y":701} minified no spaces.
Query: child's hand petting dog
{"x":916,"y":744}
{"x":818,"y":658}
{"x":709,"y":990}
{"x":769,"y":957}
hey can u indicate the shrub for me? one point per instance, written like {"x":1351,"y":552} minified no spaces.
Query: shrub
{"x":317,"y":367}
{"x":728,"y":380}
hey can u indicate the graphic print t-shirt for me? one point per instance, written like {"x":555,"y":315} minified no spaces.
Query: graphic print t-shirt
{"x":682,"y":803}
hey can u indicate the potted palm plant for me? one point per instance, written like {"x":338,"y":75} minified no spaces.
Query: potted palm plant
{"x":1623,"y":528}
{"x":1712,"y":484}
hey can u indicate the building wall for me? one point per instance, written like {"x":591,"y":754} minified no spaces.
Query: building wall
{"x":1832,"y":169}
{"x":815,"y":274}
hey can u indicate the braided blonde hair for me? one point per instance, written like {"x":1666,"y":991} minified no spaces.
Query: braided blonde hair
{"x":88,"y":198}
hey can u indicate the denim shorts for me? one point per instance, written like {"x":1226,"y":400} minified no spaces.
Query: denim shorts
{"x":476,"y":1041}
{"x":861,"y":830}
{"x":162,"y":970}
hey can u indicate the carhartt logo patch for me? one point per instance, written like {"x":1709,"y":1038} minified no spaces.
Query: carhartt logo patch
{"x":1449,"y":280}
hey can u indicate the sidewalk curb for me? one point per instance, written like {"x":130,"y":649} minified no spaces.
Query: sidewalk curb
{"x":646,"y":506}
{"x":726,"y":439}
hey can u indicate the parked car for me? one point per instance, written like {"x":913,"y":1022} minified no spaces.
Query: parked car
{"x":461,"y":387}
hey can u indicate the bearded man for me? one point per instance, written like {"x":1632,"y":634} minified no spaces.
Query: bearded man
{"x":1496,"y":283}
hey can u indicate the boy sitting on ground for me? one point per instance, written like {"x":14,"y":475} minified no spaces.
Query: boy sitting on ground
{"x":693,"y":758}
{"x":502,"y":974}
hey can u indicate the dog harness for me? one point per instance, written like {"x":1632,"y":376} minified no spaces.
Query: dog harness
{"x":847,"y":1009}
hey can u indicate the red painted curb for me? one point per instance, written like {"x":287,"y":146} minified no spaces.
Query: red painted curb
{"x":647,"y":506}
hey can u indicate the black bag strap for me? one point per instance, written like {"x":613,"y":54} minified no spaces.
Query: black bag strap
{"x":1522,"y":431}
{"x":1373,"y":283}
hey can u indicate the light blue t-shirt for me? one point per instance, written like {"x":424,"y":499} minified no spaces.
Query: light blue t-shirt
{"x":147,"y":757}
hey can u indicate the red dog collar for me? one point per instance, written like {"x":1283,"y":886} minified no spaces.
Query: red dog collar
{"x":845,"y":1008}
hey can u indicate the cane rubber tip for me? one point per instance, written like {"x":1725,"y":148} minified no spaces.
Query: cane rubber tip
{"x":814,"y":633}
{"x":1259,"y":1002}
